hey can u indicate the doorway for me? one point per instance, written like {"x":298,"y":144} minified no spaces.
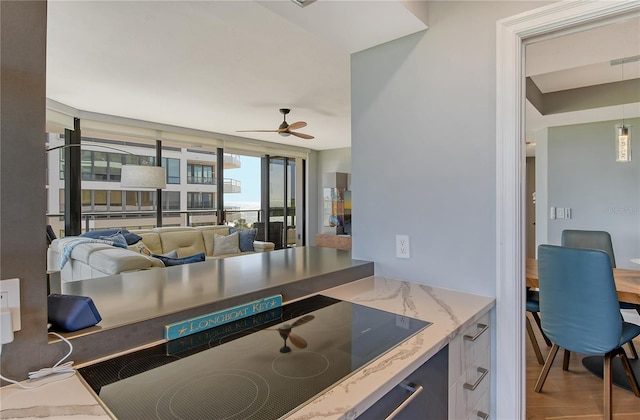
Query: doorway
{"x":512,"y":34}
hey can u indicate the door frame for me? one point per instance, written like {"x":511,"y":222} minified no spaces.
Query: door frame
{"x":512,"y":35}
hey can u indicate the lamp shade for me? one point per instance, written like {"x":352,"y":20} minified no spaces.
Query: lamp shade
{"x":136,"y":176}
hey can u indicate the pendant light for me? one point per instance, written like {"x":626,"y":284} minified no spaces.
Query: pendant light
{"x":623,"y":142}
{"x":622,"y":131}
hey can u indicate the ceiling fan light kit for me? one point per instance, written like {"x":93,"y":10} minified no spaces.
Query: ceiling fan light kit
{"x":284,"y":129}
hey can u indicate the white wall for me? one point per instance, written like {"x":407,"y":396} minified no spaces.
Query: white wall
{"x":423,"y":125}
{"x":424,"y":147}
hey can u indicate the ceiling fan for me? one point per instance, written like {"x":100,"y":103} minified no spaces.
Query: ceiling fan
{"x":285,"y":129}
{"x":296,"y":340}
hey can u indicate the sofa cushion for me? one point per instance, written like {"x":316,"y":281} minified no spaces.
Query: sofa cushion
{"x":186,"y":242}
{"x":117,"y":260}
{"x":152,"y":242}
{"x":246,"y":238}
{"x":140,"y":248}
{"x":207,"y":235}
{"x":130,"y":237}
{"x":168,"y":262}
{"x":225,"y":244}
{"x":80,"y":252}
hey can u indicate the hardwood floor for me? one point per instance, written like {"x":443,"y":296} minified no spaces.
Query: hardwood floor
{"x":575,"y":394}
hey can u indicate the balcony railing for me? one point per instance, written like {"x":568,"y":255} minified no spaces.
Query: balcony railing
{"x":231,"y":161}
{"x":201,"y":180}
{"x":232,"y":185}
{"x":134,"y":220}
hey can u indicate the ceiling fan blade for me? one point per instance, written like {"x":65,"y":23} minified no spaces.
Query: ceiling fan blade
{"x":297,"y":125}
{"x":302,"y":136}
{"x":297,"y":341}
{"x":302,"y":320}
{"x":258,"y":131}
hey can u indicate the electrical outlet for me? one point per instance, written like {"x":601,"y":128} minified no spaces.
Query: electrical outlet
{"x":10,"y":296}
{"x":402,"y":246}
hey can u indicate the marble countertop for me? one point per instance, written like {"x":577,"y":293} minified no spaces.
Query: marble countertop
{"x":448,"y":310}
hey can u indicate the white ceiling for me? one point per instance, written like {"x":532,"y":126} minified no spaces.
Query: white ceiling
{"x":218,"y":66}
{"x":223,"y":66}
{"x":582,"y":59}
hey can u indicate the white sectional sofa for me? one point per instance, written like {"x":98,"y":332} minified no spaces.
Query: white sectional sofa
{"x":91,"y":260}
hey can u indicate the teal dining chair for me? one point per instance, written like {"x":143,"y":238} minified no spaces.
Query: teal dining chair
{"x":580,"y":311}
{"x":596,"y":239}
{"x":533,"y":307}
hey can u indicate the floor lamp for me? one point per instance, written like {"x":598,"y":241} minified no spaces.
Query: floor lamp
{"x":148,"y":177}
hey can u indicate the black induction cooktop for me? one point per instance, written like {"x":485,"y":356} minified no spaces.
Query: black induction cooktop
{"x":262,"y":367}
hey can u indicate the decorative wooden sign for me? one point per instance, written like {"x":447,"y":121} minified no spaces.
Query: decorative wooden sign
{"x":205,"y":322}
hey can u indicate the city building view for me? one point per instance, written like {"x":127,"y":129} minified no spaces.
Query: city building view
{"x":191,"y":194}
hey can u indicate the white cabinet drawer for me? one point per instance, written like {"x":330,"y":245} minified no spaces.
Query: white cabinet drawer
{"x":466,"y":347}
{"x":467,"y":391}
{"x":482,"y":410}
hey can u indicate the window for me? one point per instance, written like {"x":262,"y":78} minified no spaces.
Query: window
{"x":171,"y":200}
{"x":199,"y":174}
{"x":115,"y":200}
{"x":100,"y":200}
{"x":172,"y":167}
{"x":87,"y":201}
{"x":132,"y":202}
{"x":147,"y":199}
{"x":199,"y":200}
{"x":242,"y":179}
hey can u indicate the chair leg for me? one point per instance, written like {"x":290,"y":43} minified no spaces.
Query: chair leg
{"x":566,"y":359}
{"x":630,"y":374}
{"x":545,"y":369}
{"x":536,"y":318}
{"x":632,"y":348}
{"x":534,"y":342}
{"x":606,"y":371}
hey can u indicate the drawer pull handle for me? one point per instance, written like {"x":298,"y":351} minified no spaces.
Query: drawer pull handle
{"x":415,"y":391}
{"x":483,"y":372}
{"x":482,"y":329}
{"x":483,"y":415}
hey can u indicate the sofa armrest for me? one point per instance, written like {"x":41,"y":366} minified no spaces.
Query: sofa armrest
{"x":261,"y":246}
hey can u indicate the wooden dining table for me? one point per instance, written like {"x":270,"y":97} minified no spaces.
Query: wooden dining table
{"x":627,"y":281}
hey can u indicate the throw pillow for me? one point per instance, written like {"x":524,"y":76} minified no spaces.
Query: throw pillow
{"x":141,"y":248}
{"x":131,"y":238}
{"x":171,"y":254}
{"x":117,"y":239}
{"x":168,"y":262}
{"x":247,"y":236}
{"x":225,"y":244}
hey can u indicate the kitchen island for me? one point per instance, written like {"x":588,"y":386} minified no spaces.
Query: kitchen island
{"x":450,"y":313}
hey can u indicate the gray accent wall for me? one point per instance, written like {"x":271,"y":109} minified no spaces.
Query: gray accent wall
{"x":22,"y":180}
{"x":603,"y":194}
{"x":424,"y":149}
